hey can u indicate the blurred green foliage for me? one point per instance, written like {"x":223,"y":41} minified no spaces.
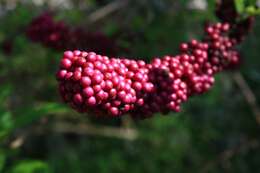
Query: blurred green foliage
{"x":247,"y":7}
{"x":215,"y":132}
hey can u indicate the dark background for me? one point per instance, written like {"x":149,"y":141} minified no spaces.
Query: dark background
{"x":215,"y":132}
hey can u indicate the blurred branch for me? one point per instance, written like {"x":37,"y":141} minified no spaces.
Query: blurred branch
{"x":248,"y":94}
{"x":124,"y":133}
{"x":109,"y":8}
{"x":17,"y":142}
{"x":126,"y":121}
{"x":87,"y":129}
{"x":226,"y":155}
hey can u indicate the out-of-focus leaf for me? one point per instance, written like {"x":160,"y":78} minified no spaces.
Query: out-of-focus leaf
{"x":5,"y":91}
{"x":251,"y":10}
{"x":30,"y":114}
{"x":2,"y":160}
{"x":111,"y":29}
{"x":184,"y":2}
{"x":240,"y":6}
{"x":31,"y":167}
{"x":251,"y":2}
{"x":6,"y":123}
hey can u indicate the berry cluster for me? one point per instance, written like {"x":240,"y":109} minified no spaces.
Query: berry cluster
{"x":226,"y":12}
{"x":91,"y":82}
{"x":112,"y":87}
{"x":57,"y":35}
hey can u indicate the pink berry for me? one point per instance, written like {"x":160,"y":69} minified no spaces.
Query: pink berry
{"x":97,"y":79}
{"x":78,"y":98}
{"x":137,"y":85}
{"x":66,"y":63}
{"x":114,"y":111}
{"x":85,"y":81}
{"x":77,"y":75}
{"x":91,"y":101}
{"x":88,"y":92}
{"x":68,"y":54}
{"x":61,"y":74}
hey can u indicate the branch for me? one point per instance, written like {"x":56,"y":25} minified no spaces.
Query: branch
{"x":87,"y":129}
{"x":248,"y":94}
{"x":124,"y":133}
{"x":109,"y":8}
{"x":226,"y":155}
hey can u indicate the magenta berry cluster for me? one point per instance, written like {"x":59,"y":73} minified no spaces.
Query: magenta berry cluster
{"x":59,"y":36}
{"x":226,"y":11}
{"x":95,"y":83}
{"x":112,"y":87}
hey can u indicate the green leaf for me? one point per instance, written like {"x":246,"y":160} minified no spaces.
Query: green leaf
{"x":5,"y":91}
{"x":6,"y":123}
{"x":251,"y":10}
{"x":30,"y":114}
{"x":111,"y":29}
{"x":2,"y":160}
{"x":240,"y":6}
{"x":31,"y":167}
{"x":251,"y":2}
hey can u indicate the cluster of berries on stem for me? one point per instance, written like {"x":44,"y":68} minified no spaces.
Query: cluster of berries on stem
{"x":226,"y":12}
{"x":59,"y":36}
{"x":112,"y":87}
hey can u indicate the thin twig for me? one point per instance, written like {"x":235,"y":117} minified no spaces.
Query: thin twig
{"x":88,"y":129}
{"x":126,"y":121}
{"x":125,"y":133}
{"x":226,"y":155}
{"x":18,"y":142}
{"x":248,"y":94}
{"x":109,"y":8}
